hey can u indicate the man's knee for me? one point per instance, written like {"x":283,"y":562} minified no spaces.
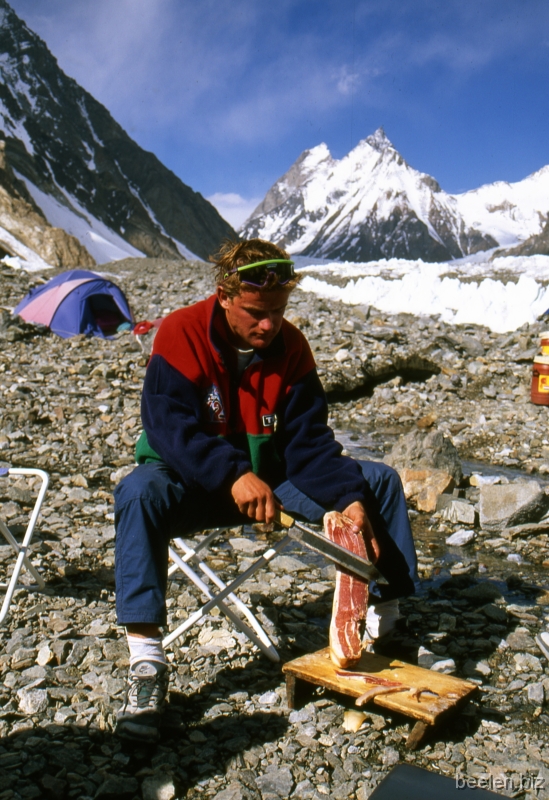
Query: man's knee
{"x":380,"y":477}
{"x":145,"y":482}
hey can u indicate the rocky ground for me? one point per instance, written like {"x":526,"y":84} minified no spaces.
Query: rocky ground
{"x":72,"y":408}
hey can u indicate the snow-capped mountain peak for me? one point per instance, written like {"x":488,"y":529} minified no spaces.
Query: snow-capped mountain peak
{"x":378,"y":140}
{"x":368,"y":205}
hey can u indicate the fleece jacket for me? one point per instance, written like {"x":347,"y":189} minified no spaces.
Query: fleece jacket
{"x":211,"y":425}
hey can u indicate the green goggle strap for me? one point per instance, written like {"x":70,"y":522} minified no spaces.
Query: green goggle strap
{"x":259,"y":264}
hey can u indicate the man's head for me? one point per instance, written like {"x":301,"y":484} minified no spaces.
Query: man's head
{"x":251,"y":265}
{"x":254,"y":299}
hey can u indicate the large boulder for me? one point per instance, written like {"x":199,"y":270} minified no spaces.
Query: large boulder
{"x":511,"y":504}
{"x":420,"y":449}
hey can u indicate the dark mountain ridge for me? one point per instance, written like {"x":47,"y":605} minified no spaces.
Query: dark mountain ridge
{"x":69,"y":146}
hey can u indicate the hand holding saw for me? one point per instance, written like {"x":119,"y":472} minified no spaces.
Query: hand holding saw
{"x":334,"y":552}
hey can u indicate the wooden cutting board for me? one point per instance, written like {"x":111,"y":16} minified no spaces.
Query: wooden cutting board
{"x":447,"y":692}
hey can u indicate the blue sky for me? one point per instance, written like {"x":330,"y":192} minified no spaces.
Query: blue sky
{"x":228,"y":93}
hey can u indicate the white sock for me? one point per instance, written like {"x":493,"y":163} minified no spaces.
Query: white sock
{"x":142,"y":649}
{"x":381,"y":618}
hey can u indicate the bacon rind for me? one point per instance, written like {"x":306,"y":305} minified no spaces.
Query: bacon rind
{"x":367,"y":678}
{"x":350,"y":596}
{"x":374,"y":691}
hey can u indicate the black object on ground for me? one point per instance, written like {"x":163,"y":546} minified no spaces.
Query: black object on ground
{"x":405,"y":782}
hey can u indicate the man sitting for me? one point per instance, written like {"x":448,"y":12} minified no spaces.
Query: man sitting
{"x":235,"y":424}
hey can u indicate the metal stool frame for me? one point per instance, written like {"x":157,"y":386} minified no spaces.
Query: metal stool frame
{"x":189,"y":555}
{"x":22,"y":549}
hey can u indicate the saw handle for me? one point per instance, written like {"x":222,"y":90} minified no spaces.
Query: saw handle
{"x":284,"y":519}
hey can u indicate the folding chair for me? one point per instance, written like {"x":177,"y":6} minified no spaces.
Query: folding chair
{"x":22,"y":549}
{"x":187,"y":560}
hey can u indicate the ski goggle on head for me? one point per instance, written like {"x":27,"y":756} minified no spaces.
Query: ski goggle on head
{"x":258,"y":273}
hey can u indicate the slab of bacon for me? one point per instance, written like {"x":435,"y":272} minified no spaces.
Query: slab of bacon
{"x":350,"y":597}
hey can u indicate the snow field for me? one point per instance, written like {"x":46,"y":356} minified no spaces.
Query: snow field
{"x":477,"y":293}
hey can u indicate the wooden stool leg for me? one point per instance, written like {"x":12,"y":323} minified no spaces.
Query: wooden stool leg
{"x":417,"y":735}
{"x":290,"y":690}
{"x":298,"y":692}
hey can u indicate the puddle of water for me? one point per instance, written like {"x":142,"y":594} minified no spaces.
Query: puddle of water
{"x":366,"y":446}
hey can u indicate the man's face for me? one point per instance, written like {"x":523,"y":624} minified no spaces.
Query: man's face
{"x":254,"y":318}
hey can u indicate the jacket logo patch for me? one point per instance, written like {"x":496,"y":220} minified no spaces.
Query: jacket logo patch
{"x":268,"y":420}
{"x":214,"y":405}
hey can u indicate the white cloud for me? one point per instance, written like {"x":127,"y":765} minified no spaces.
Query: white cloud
{"x":209,"y":68}
{"x":347,"y":81}
{"x":234,"y":208}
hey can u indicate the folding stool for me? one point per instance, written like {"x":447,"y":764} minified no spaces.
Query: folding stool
{"x":187,"y":560}
{"x":21,"y":549}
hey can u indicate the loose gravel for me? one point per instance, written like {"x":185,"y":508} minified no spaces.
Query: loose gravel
{"x":72,"y":407}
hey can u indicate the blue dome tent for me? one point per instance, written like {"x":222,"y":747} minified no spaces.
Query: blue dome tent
{"x":76,"y":302}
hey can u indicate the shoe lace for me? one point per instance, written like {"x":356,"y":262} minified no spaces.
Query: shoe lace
{"x":146,"y":692}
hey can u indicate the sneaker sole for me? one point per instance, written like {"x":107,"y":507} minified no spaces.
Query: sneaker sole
{"x":127,"y":729}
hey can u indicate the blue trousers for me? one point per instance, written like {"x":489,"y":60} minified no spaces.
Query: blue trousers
{"x":153,"y":505}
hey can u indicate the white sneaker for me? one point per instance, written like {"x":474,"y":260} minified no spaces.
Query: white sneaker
{"x":139,"y":716}
{"x":381,"y":619}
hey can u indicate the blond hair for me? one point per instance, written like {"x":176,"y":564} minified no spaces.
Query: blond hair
{"x":237,"y":254}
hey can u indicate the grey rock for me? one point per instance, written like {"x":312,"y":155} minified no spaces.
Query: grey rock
{"x":495,"y":613}
{"x":472,"y":346}
{"x":390,"y":757}
{"x":447,"y":666}
{"x":304,"y":790}
{"x":461,"y":537}
{"x":476,"y":668}
{"x":480,"y":592}
{"x":277,"y":781}
{"x":55,"y":787}
{"x":63,"y":714}
{"x":269,"y":699}
{"x":536,"y":694}
{"x":23,"y":657}
{"x":426,"y":658}
{"x":418,"y":449}
{"x":35,"y":673}
{"x":459,"y":511}
{"x":514,"y":504}
{"x":521,"y":640}
{"x":32,"y":701}
{"x":117,"y":787}
{"x":233,"y":792}
{"x":246,"y":545}
{"x":288,"y":564}
{"x":447,"y":622}
{"x":302,"y":715}
{"x":525,"y":662}
{"x":515,"y":685}
{"x":158,"y":787}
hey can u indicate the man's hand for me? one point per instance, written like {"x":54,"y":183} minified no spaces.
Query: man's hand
{"x":357,"y":513}
{"x":254,"y":498}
